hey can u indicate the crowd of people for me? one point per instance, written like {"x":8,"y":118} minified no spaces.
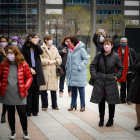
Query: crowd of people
{"x":33,"y":67}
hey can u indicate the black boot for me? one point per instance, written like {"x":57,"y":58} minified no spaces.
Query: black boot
{"x":109,"y":123}
{"x":3,"y":119}
{"x":101,"y":123}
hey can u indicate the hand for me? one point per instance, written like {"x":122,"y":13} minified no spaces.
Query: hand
{"x":104,"y":33}
{"x":116,"y":78}
{"x":32,"y":40}
{"x":64,"y":51}
{"x":50,"y":62}
{"x":3,"y":51}
{"x":33,"y":71}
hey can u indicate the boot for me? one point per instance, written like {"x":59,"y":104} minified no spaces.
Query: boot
{"x":101,"y":123}
{"x":109,"y":123}
{"x":137,"y":127}
{"x":72,"y":107}
{"x":2,"y":118}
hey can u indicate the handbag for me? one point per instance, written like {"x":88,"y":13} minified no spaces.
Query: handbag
{"x":92,"y":80}
{"x":59,"y":71}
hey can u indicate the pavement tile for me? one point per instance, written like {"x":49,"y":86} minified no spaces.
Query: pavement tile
{"x":130,"y":115}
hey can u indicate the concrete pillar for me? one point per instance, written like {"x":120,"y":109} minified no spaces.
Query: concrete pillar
{"x":93,"y":29}
{"x":39,"y":18}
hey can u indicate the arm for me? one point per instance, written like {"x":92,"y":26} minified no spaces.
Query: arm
{"x":59,"y":50}
{"x":95,"y":39}
{"x":28,"y":76}
{"x":119,"y":66}
{"x":44,"y":61}
{"x":136,"y":64}
{"x":1,"y":73}
{"x":93,"y":66}
{"x":85,"y":59}
{"x":38,"y":49}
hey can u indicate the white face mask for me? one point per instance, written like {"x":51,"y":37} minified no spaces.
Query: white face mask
{"x":50,"y":42}
{"x":14,"y":44}
{"x":101,"y":39}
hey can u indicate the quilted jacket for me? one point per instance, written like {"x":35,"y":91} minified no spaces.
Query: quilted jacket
{"x":24,"y":78}
{"x":103,"y":69}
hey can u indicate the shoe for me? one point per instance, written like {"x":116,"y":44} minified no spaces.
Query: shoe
{"x":28,"y":115}
{"x":82,"y":109}
{"x":109,"y":123}
{"x":13,"y":136}
{"x":129,"y":103}
{"x":72,"y":107}
{"x":123,"y":102}
{"x":70,"y":94}
{"x":137,"y":128}
{"x":101,"y":123}
{"x":35,"y":114}
{"x":3,"y":119}
{"x":26,"y":136}
{"x":60,"y":94}
{"x":56,"y":108}
{"x":44,"y":109}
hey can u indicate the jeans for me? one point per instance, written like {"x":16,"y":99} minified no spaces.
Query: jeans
{"x":74,"y":96}
{"x":44,"y":99}
{"x":62,"y":81}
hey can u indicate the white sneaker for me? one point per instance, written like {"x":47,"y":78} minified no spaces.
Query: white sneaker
{"x":13,"y":136}
{"x":26,"y":136}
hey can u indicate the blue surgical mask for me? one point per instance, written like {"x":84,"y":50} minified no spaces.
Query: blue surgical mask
{"x":123,"y":45}
{"x":14,"y":44}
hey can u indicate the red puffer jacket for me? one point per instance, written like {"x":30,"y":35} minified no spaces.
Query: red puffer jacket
{"x":24,"y":78}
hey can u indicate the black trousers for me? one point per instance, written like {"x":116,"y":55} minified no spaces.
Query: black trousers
{"x":128,"y":82}
{"x":62,"y":81}
{"x":44,"y":99}
{"x":21,"y":109}
{"x":102,"y":109}
{"x":33,"y":101}
{"x":3,"y":110}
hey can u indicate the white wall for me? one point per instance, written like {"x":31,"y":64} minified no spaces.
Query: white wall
{"x":131,"y":3}
{"x":131,"y":12}
{"x":54,"y":1}
{"x":135,"y":22}
{"x":51,"y":11}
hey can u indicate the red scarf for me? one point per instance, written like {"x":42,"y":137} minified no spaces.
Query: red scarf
{"x":125,"y":63}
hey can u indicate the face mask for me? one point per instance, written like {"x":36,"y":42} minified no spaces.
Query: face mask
{"x":14,"y":43}
{"x":50,"y":42}
{"x":123,"y":45}
{"x":101,"y":39}
{"x":37,"y":40}
{"x":11,"y":57}
{"x":3,"y":44}
{"x":66,"y":43}
{"x":107,"y":48}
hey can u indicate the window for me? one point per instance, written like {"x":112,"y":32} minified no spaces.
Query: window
{"x":109,"y":12}
{"x":32,"y":11}
{"x":4,"y":11}
{"x":78,"y":1}
{"x":31,"y":1}
{"x":109,"y":2}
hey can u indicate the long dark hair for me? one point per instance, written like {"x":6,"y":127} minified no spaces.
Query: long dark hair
{"x":6,"y":48}
{"x":28,"y":43}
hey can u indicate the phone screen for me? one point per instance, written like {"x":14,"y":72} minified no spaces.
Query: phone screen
{"x":101,"y":30}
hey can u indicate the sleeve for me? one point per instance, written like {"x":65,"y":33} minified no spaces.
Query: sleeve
{"x":119,"y":67}
{"x":85,"y":59}
{"x":28,"y":76}
{"x":136,"y":64}
{"x":23,"y":50}
{"x":134,"y":54}
{"x":95,"y":39}
{"x":38,"y":48}
{"x":1,"y":67}
{"x":59,"y":50}
{"x":44,"y":61}
{"x":58,"y":58}
{"x":93,"y":66}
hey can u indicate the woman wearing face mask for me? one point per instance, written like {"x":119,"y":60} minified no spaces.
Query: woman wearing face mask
{"x":15,"y":42}
{"x":103,"y":70}
{"x":98,"y":40}
{"x":76,"y":70}
{"x":63,"y":51}
{"x":50,"y":58}
{"x":31,"y":51}
{"x":127,"y":56}
{"x":4,"y":42}
{"x":15,"y":80}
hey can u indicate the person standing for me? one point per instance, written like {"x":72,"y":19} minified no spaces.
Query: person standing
{"x":4,"y":42}
{"x":49,"y":59}
{"x":63,"y":51}
{"x":98,"y":40}
{"x":76,"y":71}
{"x":103,"y":70}
{"x":31,"y":51}
{"x":116,"y":42}
{"x":134,"y":93}
{"x":15,"y":80}
{"x":127,"y":56}
{"x":15,"y":42}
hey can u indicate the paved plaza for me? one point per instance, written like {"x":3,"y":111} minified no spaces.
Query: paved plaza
{"x":76,"y":125}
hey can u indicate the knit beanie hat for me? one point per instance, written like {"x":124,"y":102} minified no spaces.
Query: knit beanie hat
{"x":15,"y":38}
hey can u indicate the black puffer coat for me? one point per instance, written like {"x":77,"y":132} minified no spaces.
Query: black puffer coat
{"x":135,"y":85}
{"x":103,"y":69}
{"x":116,"y":44}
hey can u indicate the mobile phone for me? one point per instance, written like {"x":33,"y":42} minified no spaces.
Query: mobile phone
{"x":101,"y":30}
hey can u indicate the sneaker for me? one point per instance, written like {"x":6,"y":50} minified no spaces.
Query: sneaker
{"x":129,"y":103}
{"x":26,"y":136}
{"x":3,"y":119}
{"x":60,"y":94}
{"x":56,"y":108}
{"x":44,"y":109}
{"x":13,"y":136}
{"x":69,"y":94}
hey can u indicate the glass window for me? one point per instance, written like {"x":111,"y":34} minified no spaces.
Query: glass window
{"x":109,"y":2}
{"x":105,"y":1}
{"x":100,"y":2}
{"x":83,"y":1}
{"x":4,"y":1}
{"x":22,"y":16}
{"x":116,"y":2}
{"x":119,"y":12}
{"x":3,"y":11}
{"x":67,"y":1}
{"x":77,"y":1}
{"x":119,"y":2}
{"x":109,"y":11}
{"x":112,"y":2}
{"x":97,"y":11}
{"x":100,"y":12}
{"x":97,"y":1}
{"x":113,"y":12}
{"x":116,"y":12}
{"x":70,"y":2}
{"x":31,"y":1}
{"x":105,"y":12}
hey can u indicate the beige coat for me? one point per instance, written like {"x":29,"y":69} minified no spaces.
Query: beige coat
{"x":50,"y":70}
